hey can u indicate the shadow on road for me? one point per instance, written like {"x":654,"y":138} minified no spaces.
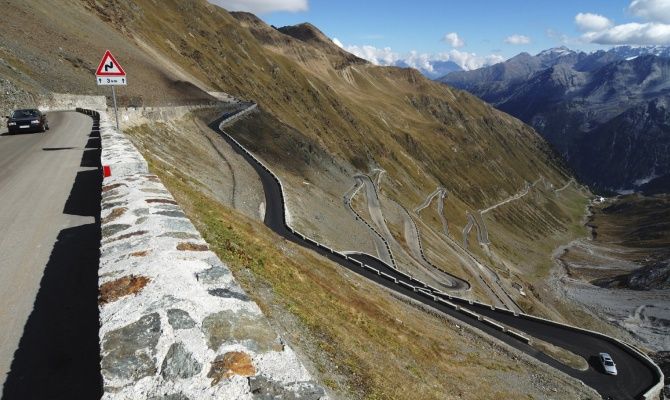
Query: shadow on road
{"x":594,"y":362}
{"x":58,"y":356}
{"x":91,"y":158}
{"x":56,"y":148}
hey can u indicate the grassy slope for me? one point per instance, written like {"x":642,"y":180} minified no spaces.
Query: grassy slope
{"x":55,"y":46}
{"x":636,"y":222}
{"x":360,"y":116}
{"x":361,"y":339}
{"x":338,"y":108}
{"x":633,"y":228}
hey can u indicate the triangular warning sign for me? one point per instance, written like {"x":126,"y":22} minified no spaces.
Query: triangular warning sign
{"x":109,"y":66}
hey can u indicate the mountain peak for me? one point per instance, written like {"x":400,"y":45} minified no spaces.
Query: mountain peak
{"x":248,"y":19}
{"x":305,"y":32}
{"x":556,"y":51}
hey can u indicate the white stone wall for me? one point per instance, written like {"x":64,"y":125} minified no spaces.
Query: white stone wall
{"x":133,"y":116}
{"x":174,"y":322}
{"x":63,"y":101}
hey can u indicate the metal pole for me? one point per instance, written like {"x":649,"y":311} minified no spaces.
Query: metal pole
{"x":116,"y":113}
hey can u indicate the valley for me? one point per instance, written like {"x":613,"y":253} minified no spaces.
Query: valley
{"x":605,"y":112}
{"x":620,"y":272}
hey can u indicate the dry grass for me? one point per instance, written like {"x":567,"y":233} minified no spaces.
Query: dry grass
{"x":639,"y":224}
{"x":628,"y":233}
{"x":325,"y":110}
{"x":366,"y":340}
{"x":560,"y":354}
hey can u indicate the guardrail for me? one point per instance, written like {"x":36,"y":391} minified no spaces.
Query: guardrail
{"x":652,"y":393}
{"x":92,"y":113}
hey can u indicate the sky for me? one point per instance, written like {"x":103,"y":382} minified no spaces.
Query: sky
{"x":471,"y":33}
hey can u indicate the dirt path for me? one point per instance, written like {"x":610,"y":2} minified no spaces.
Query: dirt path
{"x":420,"y":264}
{"x":382,"y":250}
{"x":413,"y":239}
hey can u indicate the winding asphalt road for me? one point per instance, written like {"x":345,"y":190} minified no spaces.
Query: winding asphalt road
{"x":49,"y":253}
{"x":635,"y":375}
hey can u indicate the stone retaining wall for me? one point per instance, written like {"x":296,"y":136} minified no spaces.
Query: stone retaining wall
{"x":133,"y":116}
{"x":64,"y":101}
{"x":174,"y":322}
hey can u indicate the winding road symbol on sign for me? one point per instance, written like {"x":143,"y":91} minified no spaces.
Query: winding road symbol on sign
{"x":109,"y":66}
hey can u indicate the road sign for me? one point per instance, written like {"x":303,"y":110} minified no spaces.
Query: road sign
{"x":110,"y":72}
{"x":111,"y":81}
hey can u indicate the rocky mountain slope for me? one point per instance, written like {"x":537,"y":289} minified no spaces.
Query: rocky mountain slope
{"x":606,"y":112}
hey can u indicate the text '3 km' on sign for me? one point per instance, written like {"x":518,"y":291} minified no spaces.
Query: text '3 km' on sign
{"x":110,"y":72}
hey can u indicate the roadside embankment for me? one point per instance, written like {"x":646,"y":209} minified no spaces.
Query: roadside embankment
{"x":173,"y":320}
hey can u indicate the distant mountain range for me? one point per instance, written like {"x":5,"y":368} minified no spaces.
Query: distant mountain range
{"x":606,"y":112}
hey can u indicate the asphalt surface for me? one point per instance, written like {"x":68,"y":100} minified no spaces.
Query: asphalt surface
{"x":634,"y":378}
{"x":49,"y":253}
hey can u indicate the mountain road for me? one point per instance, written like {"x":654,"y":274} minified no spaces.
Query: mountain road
{"x":50,"y":186}
{"x":636,"y":375}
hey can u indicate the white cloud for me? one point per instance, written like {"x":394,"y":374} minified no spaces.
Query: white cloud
{"x":422,"y":61}
{"x":517,"y":39}
{"x":453,"y":40}
{"x":656,"y":31}
{"x":588,"y":22}
{"x":262,"y":6}
{"x":338,"y":43}
{"x":470,"y":61}
{"x":377,"y":56}
{"x":651,"y":10}
{"x":419,"y":61}
{"x":650,"y":33}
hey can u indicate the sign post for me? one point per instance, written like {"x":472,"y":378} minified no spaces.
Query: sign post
{"x":110,"y":73}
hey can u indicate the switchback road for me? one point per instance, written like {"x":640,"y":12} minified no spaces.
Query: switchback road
{"x":636,"y":375}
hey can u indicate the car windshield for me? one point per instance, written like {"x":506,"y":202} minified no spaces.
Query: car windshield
{"x":25,"y":113}
{"x":609,"y":363}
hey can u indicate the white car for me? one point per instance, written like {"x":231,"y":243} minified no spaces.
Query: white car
{"x":607,"y":363}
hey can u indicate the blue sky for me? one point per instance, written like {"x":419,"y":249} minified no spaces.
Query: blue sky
{"x":481,"y":31}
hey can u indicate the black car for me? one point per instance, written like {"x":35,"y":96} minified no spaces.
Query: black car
{"x":28,"y":120}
